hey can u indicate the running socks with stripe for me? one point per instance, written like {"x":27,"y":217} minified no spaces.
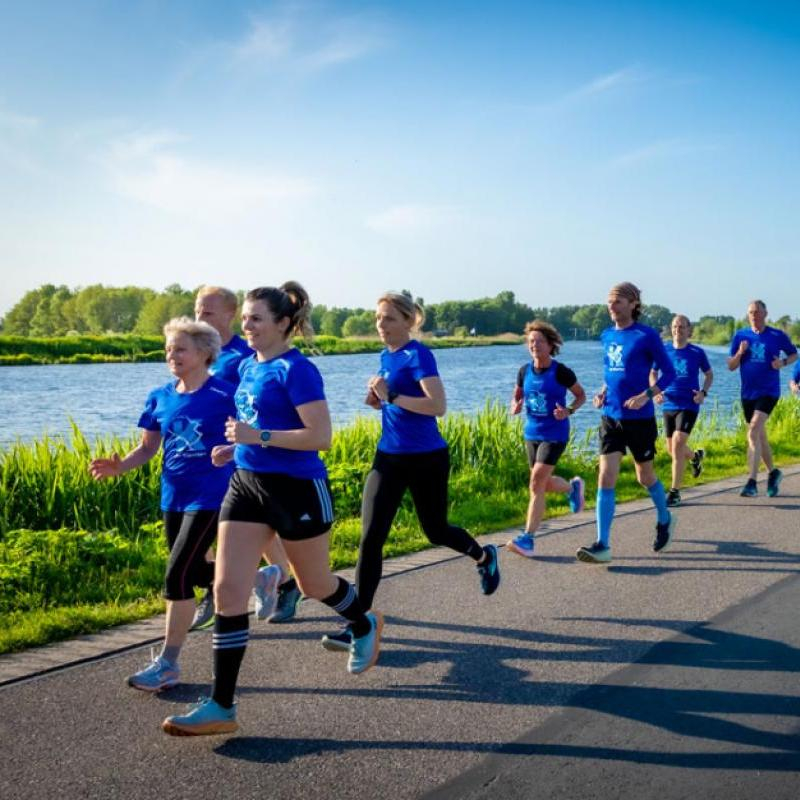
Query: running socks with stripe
{"x":345,"y":602}
{"x":604,"y":513}
{"x":659,"y":501}
{"x":230,"y":641}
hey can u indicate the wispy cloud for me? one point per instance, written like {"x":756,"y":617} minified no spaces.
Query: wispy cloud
{"x":660,"y":150}
{"x":18,"y":123}
{"x":412,"y":219}
{"x":18,"y":133}
{"x":610,"y":82}
{"x":148,"y":167}
{"x":306,"y":37}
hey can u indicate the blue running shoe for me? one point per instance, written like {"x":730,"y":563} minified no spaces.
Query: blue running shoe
{"x":157,"y":675}
{"x":750,"y":489}
{"x":286,"y":607}
{"x":489,"y":571}
{"x":595,"y":553}
{"x":265,"y":591}
{"x":522,"y":545}
{"x":774,"y":482}
{"x":205,"y":718}
{"x":364,"y":650}
{"x":577,"y":497}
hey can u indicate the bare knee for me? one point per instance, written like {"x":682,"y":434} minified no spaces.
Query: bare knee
{"x":229,"y":596}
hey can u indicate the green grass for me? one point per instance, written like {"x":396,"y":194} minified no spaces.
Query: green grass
{"x":77,"y":555}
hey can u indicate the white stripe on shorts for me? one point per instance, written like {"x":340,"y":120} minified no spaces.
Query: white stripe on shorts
{"x":324,"y":499}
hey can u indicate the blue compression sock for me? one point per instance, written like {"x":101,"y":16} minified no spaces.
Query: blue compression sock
{"x":660,"y":501}
{"x":606,"y":503}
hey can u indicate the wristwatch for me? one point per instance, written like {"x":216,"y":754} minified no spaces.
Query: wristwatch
{"x":391,"y":397}
{"x":265,"y":436}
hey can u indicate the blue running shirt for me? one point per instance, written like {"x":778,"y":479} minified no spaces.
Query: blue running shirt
{"x":190,"y":424}
{"x":226,"y":367}
{"x":541,"y":392}
{"x":796,"y":372}
{"x":759,"y":379}
{"x":628,"y":356}
{"x":406,"y":431}
{"x":267,"y":398}
{"x":688,"y":362}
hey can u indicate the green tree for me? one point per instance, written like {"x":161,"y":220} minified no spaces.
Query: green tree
{"x":332,"y":321}
{"x":362,"y":324}
{"x":159,"y":309}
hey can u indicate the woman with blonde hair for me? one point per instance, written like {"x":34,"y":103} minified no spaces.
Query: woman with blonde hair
{"x":280,"y":487}
{"x":411,"y":454}
{"x":187,"y":416}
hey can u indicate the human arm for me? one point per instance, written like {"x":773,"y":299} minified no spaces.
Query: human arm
{"x":315,"y":434}
{"x":579,"y":398}
{"x":221,"y":454}
{"x":701,"y":394}
{"x":737,"y":353}
{"x":599,"y":399}
{"x":116,"y":465}
{"x":433,"y":403}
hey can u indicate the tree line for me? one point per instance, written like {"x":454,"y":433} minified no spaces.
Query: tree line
{"x":59,"y":311}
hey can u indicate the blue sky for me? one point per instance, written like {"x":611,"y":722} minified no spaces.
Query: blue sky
{"x":455,"y":149}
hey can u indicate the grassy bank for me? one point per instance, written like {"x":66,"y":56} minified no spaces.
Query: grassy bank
{"x":77,"y":556}
{"x":29,"y":351}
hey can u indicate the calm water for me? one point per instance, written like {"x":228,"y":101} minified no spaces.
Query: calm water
{"x":107,"y":398}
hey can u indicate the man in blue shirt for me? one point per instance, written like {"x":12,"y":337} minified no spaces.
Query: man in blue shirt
{"x":756,"y":352}
{"x":628,"y":422}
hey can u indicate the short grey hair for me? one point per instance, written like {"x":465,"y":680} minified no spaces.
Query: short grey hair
{"x":205,"y":337}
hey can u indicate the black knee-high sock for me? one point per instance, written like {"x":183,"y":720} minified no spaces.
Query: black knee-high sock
{"x":230,"y":641}
{"x":345,"y":602}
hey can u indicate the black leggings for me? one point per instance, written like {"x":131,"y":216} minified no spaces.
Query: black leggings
{"x":426,"y":475}
{"x":189,"y":535}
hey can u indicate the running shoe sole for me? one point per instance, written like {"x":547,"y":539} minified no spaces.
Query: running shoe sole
{"x":334,"y":645}
{"x":591,"y":558}
{"x":206,"y":729}
{"x":581,"y":495}
{"x":170,"y":684}
{"x":514,"y":548}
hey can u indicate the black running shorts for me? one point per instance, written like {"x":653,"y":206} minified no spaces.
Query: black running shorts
{"x":765,"y":403}
{"x":296,"y":508}
{"x":544,"y":452}
{"x":682,"y":420}
{"x":637,"y":435}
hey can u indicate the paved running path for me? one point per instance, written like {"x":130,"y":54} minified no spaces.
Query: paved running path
{"x":658,"y":676}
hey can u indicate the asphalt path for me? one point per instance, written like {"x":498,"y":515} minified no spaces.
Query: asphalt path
{"x":670,"y":676}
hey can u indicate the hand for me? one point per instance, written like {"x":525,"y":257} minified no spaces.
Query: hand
{"x":237,"y":432}
{"x":599,"y":400}
{"x":372,"y":400}
{"x":699,"y":397}
{"x":560,"y":413}
{"x":777,"y":363}
{"x":636,"y":402}
{"x":379,"y":387}
{"x":743,"y":347}
{"x":658,"y":398}
{"x":106,"y":467}
{"x":516,"y":400}
{"x":221,"y":454}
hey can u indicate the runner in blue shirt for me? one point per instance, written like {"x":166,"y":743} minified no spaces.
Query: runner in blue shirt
{"x":630,"y":350}
{"x":411,"y":455}
{"x":794,"y":381}
{"x":757,"y":351}
{"x":187,"y":416}
{"x":276,"y":593}
{"x":280,"y":487}
{"x":681,"y":402}
{"x":542,"y":386}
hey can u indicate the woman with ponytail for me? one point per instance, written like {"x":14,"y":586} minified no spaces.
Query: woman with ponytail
{"x":281,"y":488}
{"x":411,"y":454}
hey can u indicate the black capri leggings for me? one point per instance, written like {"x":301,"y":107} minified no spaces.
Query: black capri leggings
{"x":426,"y":475}
{"x":189,"y":535}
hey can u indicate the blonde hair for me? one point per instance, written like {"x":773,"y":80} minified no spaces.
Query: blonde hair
{"x":406,"y":307}
{"x":204,"y":337}
{"x":548,"y":331}
{"x":288,"y":300}
{"x":228,"y":297}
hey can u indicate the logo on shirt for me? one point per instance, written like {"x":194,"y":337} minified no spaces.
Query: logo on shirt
{"x":681,"y":368}
{"x":186,"y":441}
{"x":536,"y":403}
{"x":614,"y":354}
{"x":246,"y":407}
{"x":758,"y":351}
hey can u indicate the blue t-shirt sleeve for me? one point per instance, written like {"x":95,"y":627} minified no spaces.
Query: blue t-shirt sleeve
{"x":662,"y":362}
{"x":425,"y":366}
{"x":702,"y":360}
{"x":787,"y":346}
{"x":147,"y":419}
{"x":796,"y":372}
{"x":304,"y":383}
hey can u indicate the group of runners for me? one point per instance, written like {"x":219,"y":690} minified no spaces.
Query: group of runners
{"x":242,"y":424}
